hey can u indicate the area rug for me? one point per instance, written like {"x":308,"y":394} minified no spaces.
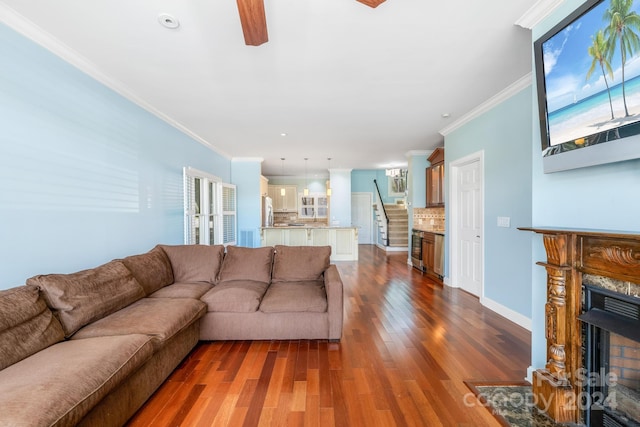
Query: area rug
{"x":511,"y":403}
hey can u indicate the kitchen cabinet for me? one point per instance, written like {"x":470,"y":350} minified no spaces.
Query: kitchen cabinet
{"x":286,"y":203}
{"x":435,"y":179}
{"x":313,"y":206}
{"x":433,"y":254}
{"x":428,"y":245}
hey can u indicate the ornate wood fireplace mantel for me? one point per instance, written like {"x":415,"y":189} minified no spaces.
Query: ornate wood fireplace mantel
{"x":570,"y":254}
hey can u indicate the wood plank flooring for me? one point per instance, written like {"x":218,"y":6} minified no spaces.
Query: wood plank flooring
{"x":408,"y":344}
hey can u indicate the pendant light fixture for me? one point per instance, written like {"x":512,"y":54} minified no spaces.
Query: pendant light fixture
{"x":282,"y":190}
{"x":306,"y":184}
{"x":329,"y":182}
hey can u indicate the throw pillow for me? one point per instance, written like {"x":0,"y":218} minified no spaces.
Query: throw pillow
{"x":300,"y":263}
{"x":247,"y":264}
{"x":80,"y":298}
{"x":195,"y":263}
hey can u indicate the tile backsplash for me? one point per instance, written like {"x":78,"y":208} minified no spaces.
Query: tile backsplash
{"x":429,"y":219}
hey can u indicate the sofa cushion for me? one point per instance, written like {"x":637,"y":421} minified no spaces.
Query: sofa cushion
{"x":80,"y":298}
{"x":59,"y":385}
{"x":195,"y":263}
{"x":152,"y":269}
{"x":247,"y":264}
{"x":183,"y":290}
{"x":238,"y":296}
{"x":284,"y":297}
{"x":26,"y":324}
{"x":160,"y":318}
{"x":300,"y":263}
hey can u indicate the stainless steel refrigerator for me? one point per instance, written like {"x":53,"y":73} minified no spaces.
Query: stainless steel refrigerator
{"x":267,"y":211}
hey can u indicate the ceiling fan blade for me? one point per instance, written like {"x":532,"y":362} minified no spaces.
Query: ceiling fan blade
{"x":254,"y":22}
{"x":372,"y":3}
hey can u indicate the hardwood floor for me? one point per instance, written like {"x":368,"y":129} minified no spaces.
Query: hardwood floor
{"x":408,"y":344}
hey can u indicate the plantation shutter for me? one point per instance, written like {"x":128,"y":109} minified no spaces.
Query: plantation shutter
{"x":229,"y":234}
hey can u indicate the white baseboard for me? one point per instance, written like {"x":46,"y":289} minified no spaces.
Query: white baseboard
{"x":447,"y":281}
{"x":392,"y":248}
{"x":514,"y":316}
{"x":396,"y":249}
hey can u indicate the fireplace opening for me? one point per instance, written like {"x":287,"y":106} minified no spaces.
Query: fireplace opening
{"x":611,"y":358}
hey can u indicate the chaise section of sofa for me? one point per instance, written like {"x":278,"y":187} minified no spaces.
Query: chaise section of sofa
{"x":122,"y":342}
{"x":46,"y":380}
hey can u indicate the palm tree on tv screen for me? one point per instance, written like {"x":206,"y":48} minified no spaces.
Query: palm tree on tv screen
{"x":622,"y":22}
{"x":601,"y":56}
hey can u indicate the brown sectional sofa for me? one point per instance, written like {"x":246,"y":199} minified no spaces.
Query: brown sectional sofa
{"x":89,"y":348}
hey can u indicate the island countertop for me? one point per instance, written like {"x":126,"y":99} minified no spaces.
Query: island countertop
{"x":289,"y":226}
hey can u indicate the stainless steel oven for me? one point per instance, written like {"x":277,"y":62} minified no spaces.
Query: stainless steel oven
{"x":416,"y":249}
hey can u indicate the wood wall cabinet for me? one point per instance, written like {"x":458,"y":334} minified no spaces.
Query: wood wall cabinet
{"x":435,"y":179}
{"x":286,"y":203}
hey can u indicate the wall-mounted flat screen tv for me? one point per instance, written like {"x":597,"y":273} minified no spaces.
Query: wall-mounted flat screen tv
{"x":588,"y":83}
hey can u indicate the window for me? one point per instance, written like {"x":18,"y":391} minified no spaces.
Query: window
{"x":209,"y":209}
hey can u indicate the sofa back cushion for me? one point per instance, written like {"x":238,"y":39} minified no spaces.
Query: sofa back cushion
{"x":152,"y":269}
{"x":80,"y":298}
{"x":247,"y":264}
{"x":26,"y":325}
{"x":194,"y":263}
{"x":300,"y":263}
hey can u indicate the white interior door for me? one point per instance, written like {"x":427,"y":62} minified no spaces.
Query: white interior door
{"x":467,"y":216}
{"x":362,"y":216}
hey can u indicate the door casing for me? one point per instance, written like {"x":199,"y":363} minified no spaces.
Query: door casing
{"x":454,"y":217}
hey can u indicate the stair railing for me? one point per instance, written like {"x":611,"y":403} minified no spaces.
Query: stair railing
{"x":384,"y":211}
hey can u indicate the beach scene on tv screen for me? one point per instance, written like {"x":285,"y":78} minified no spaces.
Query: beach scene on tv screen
{"x":592,"y":73}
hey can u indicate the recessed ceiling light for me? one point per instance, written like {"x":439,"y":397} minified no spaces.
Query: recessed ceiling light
{"x":283,"y":134}
{"x":168,"y":21}
{"x":446,"y":115}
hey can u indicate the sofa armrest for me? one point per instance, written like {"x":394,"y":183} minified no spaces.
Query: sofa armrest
{"x":334,"y":288}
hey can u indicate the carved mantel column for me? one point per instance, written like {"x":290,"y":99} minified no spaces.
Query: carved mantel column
{"x":552,"y":385}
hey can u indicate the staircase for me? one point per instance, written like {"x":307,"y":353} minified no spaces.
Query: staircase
{"x":398,"y":233}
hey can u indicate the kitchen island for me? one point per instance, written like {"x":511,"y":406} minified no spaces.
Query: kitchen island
{"x":343,"y":240}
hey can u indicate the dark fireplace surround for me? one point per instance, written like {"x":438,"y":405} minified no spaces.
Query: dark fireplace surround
{"x":592,"y":326}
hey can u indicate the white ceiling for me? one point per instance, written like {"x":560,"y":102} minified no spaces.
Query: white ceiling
{"x":363,"y":86}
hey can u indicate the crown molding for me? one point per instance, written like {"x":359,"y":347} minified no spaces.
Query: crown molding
{"x":500,"y":97}
{"x":539,"y":11}
{"x":39,"y":36}
{"x":417,"y":153}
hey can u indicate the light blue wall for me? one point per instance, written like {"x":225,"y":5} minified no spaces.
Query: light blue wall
{"x":340,"y":201}
{"x":316,"y":185}
{"x":85,"y":175}
{"x":504,"y":133}
{"x":417,"y":184}
{"x":600,"y":197}
{"x":245,"y":174}
{"x":362,"y":182}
